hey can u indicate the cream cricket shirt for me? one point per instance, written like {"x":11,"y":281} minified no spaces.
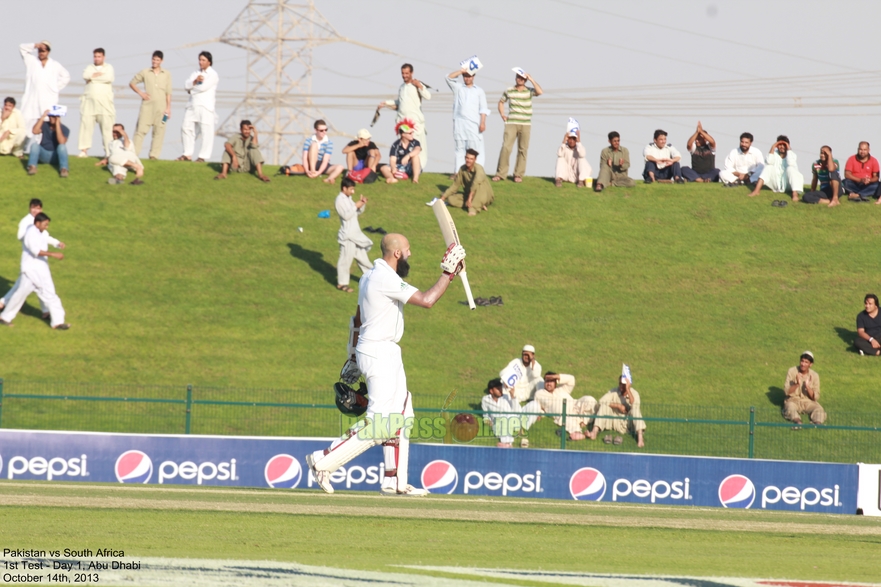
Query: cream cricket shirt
{"x":381,"y":297}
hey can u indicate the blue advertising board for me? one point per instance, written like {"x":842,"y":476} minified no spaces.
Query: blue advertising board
{"x":457,"y":469}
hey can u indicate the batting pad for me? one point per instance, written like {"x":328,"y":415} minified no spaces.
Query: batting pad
{"x":347,"y":448}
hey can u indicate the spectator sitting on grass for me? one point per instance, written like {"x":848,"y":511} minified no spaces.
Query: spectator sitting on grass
{"x":497,"y":399}
{"x":802,"y":387}
{"x":622,"y":413}
{"x":614,"y":163}
{"x":52,"y":147}
{"x":743,"y":165}
{"x":316,"y":154}
{"x":781,"y":172}
{"x":477,"y":193}
{"x":362,"y":153}
{"x":572,"y":165}
{"x":404,"y":161}
{"x":869,"y":327}
{"x":825,"y":170}
{"x":861,"y":175}
{"x":122,"y":158}
{"x":703,"y":157}
{"x":241,"y":153}
{"x":558,"y":389}
{"x":12,"y":131}
{"x":661,"y":161}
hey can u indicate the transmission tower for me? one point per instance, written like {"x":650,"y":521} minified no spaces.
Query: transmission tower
{"x":279,"y":37}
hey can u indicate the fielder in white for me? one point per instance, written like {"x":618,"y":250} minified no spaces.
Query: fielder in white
{"x":375,"y":331}
{"x":354,"y":244}
{"x":202,"y":88}
{"x":35,"y":275}
{"x":36,"y":206}
{"x":44,"y":80}
{"x":96,"y":104}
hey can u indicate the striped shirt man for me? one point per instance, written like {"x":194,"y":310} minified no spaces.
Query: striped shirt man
{"x":325,"y":147}
{"x":519,"y":105}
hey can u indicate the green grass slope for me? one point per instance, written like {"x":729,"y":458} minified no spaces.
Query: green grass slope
{"x":709,"y":295}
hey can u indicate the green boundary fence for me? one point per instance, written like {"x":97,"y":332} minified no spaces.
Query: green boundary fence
{"x":742,"y":432}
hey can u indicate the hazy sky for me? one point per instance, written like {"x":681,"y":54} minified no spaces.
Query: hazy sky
{"x":789,"y":66}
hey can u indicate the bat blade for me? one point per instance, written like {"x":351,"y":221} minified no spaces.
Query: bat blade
{"x":375,"y":117}
{"x":451,"y":235}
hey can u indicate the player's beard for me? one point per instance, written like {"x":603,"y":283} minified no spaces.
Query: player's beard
{"x":403,"y":268}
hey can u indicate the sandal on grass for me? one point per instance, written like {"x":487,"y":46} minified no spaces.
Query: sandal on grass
{"x":345,"y":288}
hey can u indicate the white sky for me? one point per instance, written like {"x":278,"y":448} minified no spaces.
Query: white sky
{"x":795,"y":67}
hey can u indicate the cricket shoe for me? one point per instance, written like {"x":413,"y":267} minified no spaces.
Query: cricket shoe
{"x":410,"y":491}
{"x":321,"y":477}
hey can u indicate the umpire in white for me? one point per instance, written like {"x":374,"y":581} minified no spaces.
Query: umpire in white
{"x":375,"y":330}
{"x":354,"y":244}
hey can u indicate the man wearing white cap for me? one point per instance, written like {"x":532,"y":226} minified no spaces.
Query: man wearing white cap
{"x":44,"y":80}
{"x":802,"y":388}
{"x":469,"y":116}
{"x":96,"y":104}
{"x":362,"y":153}
{"x":532,"y":380}
{"x":408,"y":105}
{"x":518,"y":124}
{"x":619,"y":411}
{"x":572,"y":165}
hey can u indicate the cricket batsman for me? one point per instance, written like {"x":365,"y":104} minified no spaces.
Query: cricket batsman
{"x":374,"y":333}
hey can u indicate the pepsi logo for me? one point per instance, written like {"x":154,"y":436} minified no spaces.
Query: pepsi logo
{"x":283,"y":471}
{"x":737,"y":491}
{"x":133,"y":466}
{"x":440,"y":477}
{"x":587,"y":484}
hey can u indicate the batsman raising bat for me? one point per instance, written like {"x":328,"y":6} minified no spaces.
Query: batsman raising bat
{"x":374,"y":333}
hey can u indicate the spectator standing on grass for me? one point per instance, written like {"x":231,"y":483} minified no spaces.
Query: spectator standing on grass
{"x":469,"y":116}
{"x":572,"y":165}
{"x":200,"y":116}
{"x":781,"y":172}
{"x":614,"y":163}
{"x":661,"y":161}
{"x":869,"y":327}
{"x":408,"y":105}
{"x":619,"y":411}
{"x":316,"y":154}
{"x":825,"y":173}
{"x":12,"y":129}
{"x":477,"y":193}
{"x":44,"y":80}
{"x":743,"y":165}
{"x":557,"y":390}
{"x":241,"y":153}
{"x":354,"y":244}
{"x":122,"y":158}
{"x":802,"y":387}
{"x":155,"y":104}
{"x":518,"y":124}
{"x":861,"y":175}
{"x":52,"y":147}
{"x":703,"y":157}
{"x":96,"y":104}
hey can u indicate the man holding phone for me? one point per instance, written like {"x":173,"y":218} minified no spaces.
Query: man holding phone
{"x":242,"y":153}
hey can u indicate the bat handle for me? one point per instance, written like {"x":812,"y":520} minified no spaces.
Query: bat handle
{"x":464,"y":276}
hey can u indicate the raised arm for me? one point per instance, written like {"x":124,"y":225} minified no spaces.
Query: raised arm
{"x":538,"y":90}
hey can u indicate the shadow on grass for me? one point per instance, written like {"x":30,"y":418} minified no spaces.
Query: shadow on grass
{"x":442,"y":187}
{"x":848,"y":336}
{"x":776,"y":395}
{"x":316,"y":262}
{"x":26,"y":309}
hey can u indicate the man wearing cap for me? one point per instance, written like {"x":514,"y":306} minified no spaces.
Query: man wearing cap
{"x":518,"y":124}
{"x":242,"y":153}
{"x":96,"y":104}
{"x":572,"y":165}
{"x":404,"y":161}
{"x":619,"y":411}
{"x":500,"y":398}
{"x":469,"y":116}
{"x":869,"y":327}
{"x":52,"y":147}
{"x":614,"y":163}
{"x":802,"y":388}
{"x":362,"y":153}
{"x":557,"y":390}
{"x":408,"y":105}
{"x":12,"y":129}
{"x":532,"y":380}
{"x":45,"y":78}
{"x":155,"y":104}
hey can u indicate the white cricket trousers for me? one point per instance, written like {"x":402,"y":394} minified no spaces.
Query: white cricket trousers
{"x":198,"y":121}
{"x":35,"y":280}
{"x":5,"y":299}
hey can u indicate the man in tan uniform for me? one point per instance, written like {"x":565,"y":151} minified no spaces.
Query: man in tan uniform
{"x":241,"y":153}
{"x":156,"y":105}
{"x":614,"y":163}
{"x":802,"y":387}
{"x":623,"y":404}
{"x":558,"y":388}
{"x":96,"y":104}
{"x":477,"y":193}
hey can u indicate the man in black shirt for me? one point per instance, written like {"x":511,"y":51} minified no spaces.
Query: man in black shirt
{"x":703,"y":157}
{"x":404,"y":159}
{"x":362,"y":153}
{"x":869,"y":328}
{"x":52,"y":147}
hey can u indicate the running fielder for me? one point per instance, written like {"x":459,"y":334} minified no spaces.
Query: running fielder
{"x":375,"y":330}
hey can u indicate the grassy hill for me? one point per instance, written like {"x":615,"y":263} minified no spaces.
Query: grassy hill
{"x":709,"y":295}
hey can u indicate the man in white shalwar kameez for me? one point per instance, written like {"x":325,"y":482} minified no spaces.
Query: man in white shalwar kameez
{"x":781,"y":172}
{"x":744,"y":164}
{"x":44,"y":80}
{"x":354,"y":244}
{"x":202,"y":88}
{"x":12,"y":130}
{"x":36,"y":206}
{"x":572,"y":165}
{"x":123,"y":157}
{"x":408,"y":104}
{"x":469,"y":116}
{"x":35,"y":275}
{"x":507,"y":424}
{"x":96,"y":103}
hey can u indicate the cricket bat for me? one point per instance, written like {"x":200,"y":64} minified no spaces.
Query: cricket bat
{"x":451,"y":235}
